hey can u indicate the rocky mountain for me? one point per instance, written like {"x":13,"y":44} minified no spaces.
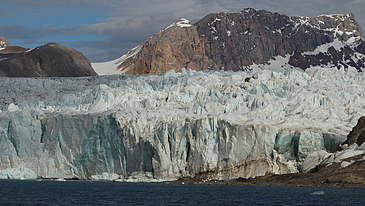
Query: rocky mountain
{"x":244,"y":41}
{"x":175,"y":47}
{"x":7,"y":50}
{"x":51,"y":60}
{"x":237,"y":40}
{"x":336,"y":54}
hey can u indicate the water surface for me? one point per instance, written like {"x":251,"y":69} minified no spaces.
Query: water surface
{"x":112,"y":193}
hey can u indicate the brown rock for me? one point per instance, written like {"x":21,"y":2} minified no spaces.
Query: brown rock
{"x":175,"y":47}
{"x":234,"y":41}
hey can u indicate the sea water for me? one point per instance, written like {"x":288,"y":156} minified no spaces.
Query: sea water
{"x":17,"y":192}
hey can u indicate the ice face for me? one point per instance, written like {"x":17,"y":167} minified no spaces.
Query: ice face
{"x":200,"y":124}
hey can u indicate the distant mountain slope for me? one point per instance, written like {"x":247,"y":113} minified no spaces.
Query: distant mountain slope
{"x":4,"y":42}
{"x":246,"y":40}
{"x":51,"y":60}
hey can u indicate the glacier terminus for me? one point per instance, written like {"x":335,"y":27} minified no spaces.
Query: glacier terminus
{"x":206,"y":124}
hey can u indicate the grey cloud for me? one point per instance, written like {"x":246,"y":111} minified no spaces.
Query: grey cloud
{"x":129,"y":23}
{"x":65,"y":3}
{"x":15,"y":31}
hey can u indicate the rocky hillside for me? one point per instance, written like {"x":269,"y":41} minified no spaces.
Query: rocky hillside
{"x":348,"y":54}
{"x":175,"y":47}
{"x":51,"y":60}
{"x":237,"y":40}
{"x":241,"y":40}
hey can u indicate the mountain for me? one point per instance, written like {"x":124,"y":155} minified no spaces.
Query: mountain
{"x":4,"y":43}
{"x":7,"y":50}
{"x":237,"y":40}
{"x":246,"y":40}
{"x":337,"y":54}
{"x":51,"y":60}
{"x":175,"y":47}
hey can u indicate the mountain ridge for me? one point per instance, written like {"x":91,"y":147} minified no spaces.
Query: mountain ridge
{"x":238,"y":40}
{"x":50,"y":60}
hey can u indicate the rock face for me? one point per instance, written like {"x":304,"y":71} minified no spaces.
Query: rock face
{"x":51,"y":60}
{"x":352,"y":55}
{"x":350,"y":152}
{"x":357,"y":135}
{"x":175,"y":47}
{"x":237,"y":41}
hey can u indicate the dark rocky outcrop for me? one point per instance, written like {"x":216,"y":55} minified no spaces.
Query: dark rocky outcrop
{"x":345,"y":57}
{"x":357,"y":135}
{"x":237,"y":40}
{"x":51,"y":60}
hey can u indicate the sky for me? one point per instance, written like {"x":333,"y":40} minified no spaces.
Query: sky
{"x":104,"y":30}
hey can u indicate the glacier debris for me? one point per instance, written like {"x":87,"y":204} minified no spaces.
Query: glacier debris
{"x":209,"y":124}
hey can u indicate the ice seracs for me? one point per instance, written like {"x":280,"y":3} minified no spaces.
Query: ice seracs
{"x":209,"y":124}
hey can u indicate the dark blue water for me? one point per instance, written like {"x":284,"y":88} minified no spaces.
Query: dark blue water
{"x":13,"y":192}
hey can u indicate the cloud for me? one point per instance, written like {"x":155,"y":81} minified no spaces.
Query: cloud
{"x":123,"y":24}
{"x":64,"y":3}
{"x":15,"y":31}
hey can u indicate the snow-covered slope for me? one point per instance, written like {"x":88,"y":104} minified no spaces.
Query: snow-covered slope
{"x":112,"y":67}
{"x":199,"y":124}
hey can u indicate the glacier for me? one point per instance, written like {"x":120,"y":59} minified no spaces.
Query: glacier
{"x":207,"y":124}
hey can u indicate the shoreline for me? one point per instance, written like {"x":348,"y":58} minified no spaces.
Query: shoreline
{"x":262,"y":181}
{"x":252,"y":182}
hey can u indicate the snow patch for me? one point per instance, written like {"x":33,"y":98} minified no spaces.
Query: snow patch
{"x":337,"y":44}
{"x":181,"y":22}
{"x":111,"y":67}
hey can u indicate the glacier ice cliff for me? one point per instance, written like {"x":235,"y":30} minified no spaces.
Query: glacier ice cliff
{"x":209,"y":124}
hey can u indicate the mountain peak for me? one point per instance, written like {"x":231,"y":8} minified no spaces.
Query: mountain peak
{"x":4,"y":42}
{"x":181,"y":22}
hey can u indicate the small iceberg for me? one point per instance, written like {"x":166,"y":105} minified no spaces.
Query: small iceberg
{"x":60,"y":179}
{"x":318,"y":193}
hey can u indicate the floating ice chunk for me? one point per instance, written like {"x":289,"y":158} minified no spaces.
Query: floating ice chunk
{"x":318,"y":193}
{"x":140,"y":176}
{"x":106,"y":177}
